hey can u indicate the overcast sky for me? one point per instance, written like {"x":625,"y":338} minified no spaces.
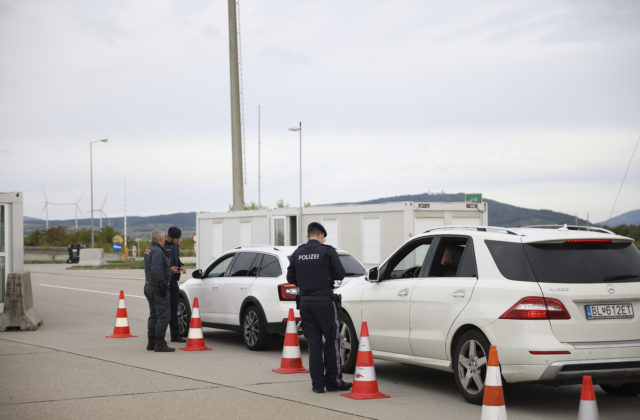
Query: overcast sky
{"x":532,"y":103}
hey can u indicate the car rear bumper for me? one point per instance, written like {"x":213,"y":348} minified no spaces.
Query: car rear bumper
{"x":560,"y":363}
{"x":602,"y":371}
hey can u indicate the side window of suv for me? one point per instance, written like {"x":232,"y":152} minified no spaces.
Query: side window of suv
{"x":219,"y":267}
{"x":407,"y":263}
{"x":454,"y":258}
{"x":270,"y":266}
{"x":242,"y":265}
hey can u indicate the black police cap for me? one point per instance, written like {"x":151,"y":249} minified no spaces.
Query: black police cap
{"x":316,"y":225}
{"x":175,"y":232}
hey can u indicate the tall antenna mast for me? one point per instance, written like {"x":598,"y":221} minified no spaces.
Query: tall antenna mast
{"x":236,"y":128}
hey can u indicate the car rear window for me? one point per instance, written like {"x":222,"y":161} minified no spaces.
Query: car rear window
{"x":511,"y":260}
{"x":584,"y":262}
{"x":567,"y":262}
{"x":351,"y":266}
{"x":270,"y":266}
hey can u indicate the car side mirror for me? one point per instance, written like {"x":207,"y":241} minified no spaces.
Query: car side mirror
{"x":372,"y":276}
{"x":197,"y":274}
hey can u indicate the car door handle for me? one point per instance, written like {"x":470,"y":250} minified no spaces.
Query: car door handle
{"x":244,"y":287}
{"x":403,"y":292}
{"x":458,"y":294}
{"x":214,"y":287}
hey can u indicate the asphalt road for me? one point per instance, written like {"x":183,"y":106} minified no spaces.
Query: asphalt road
{"x":68,"y":369}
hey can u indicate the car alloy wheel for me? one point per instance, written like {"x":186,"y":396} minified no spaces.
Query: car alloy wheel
{"x":348,"y":344}
{"x":254,"y":330}
{"x":184,"y":317}
{"x":251,"y":328}
{"x":470,"y":365}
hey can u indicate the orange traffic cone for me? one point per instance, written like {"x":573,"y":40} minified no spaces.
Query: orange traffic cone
{"x":365,"y":385}
{"x":588,"y":408}
{"x":195,"y":339}
{"x":493,"y":407}
{"x":121,"y":329}
{"x":291,"y":361}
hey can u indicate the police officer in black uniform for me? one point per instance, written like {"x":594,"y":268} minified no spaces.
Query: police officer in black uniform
{"x":156,"y":287}
{"x":313,"y":268}
{"x":173,"y":253}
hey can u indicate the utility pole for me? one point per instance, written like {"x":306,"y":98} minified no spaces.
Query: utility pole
{"x":259,"y":175}
{"x":236,"y":133}
{"x":125,"y":213}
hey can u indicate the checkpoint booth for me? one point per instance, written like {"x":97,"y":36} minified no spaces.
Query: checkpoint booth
{"x":11,"y":238}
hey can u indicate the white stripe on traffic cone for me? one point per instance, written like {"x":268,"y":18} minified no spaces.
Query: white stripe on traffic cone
{"x":121,"y":328}
{"x":493,"y":407}
{"x":291,"y":361}
{"x":365,"y":385}
{"x":588,"y":409}
{"x":195,"y":339}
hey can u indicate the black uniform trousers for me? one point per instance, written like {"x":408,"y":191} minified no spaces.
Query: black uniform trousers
{"x":174,"y":293}
{"x":159,"y":311}
{"x":321,"y":319}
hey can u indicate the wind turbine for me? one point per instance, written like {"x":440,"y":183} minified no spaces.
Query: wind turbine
{"x":101,"y":210}
{"x":45,"y":208}
{"x":76,"y":208}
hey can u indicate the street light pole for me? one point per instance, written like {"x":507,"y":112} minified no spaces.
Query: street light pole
{"x":299,"y":130}
{"x":91,"y":176}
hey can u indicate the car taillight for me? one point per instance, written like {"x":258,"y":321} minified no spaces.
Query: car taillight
{"x":537,"y":308}
{"x":287,"y":291}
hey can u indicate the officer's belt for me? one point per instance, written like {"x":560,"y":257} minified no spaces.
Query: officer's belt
{"x":316,"y":298}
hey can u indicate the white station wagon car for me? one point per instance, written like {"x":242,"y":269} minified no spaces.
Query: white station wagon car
{"x":245,"y":289}
{"x":558,"y":302}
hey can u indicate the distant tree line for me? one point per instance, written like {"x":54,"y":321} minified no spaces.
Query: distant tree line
{"x":61,"y":236}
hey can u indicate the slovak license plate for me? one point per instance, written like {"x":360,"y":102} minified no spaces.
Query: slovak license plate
{"x":609,"y":311}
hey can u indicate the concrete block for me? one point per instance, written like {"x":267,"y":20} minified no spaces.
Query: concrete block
{"x":18,"y":306}
{"x":92,"y":256}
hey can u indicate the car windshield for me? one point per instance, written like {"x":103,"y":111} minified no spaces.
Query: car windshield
{"x":567,"y":262}
{"x":351,"y":266}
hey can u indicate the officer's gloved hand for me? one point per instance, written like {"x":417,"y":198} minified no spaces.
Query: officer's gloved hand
{"x":162,"y":289}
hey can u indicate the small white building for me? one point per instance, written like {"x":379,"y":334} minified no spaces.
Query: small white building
{"x":370,"y":232}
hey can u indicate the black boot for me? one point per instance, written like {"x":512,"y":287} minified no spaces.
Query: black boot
{"x":151,"y":343}
{"x":161,"y":345}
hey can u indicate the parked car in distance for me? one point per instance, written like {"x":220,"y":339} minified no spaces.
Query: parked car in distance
{"x":245,"y":289}
{"x":559,"y":302}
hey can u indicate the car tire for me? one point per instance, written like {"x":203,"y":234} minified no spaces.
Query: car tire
{"x":254,"y":329}
{"x":470,"y":358}
{"x":348,"y":344}
{"x":623,"y":390}
{"x":184,"y":316}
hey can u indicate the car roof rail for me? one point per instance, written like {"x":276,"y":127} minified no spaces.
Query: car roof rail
{"x":497,"y":229}
{"x":255,"y":246}
{"x":572,"y":227}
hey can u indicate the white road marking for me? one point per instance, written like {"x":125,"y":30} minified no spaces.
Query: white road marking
{"x":91,"y":291}
{"x":67,"y":274}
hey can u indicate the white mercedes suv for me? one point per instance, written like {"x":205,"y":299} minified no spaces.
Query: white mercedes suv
{"x":245,"y":289}
{"x":559,"y":302}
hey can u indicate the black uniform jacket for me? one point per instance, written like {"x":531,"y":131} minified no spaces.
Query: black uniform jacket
{"x":313,"y":267}
{"x":156,"y":265}
{"x":173,"y":253}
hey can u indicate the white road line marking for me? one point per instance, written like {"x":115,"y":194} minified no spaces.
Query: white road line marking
{"x":92,"y":291}
{"x":66,"y":274}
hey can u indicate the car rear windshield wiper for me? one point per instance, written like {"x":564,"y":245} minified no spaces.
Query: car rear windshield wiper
{"x":617,"y":277}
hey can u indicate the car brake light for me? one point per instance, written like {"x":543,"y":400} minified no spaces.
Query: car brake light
{"x":587,"y":241}
{"x":287,"y":291}
{"x":537,"y":308}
